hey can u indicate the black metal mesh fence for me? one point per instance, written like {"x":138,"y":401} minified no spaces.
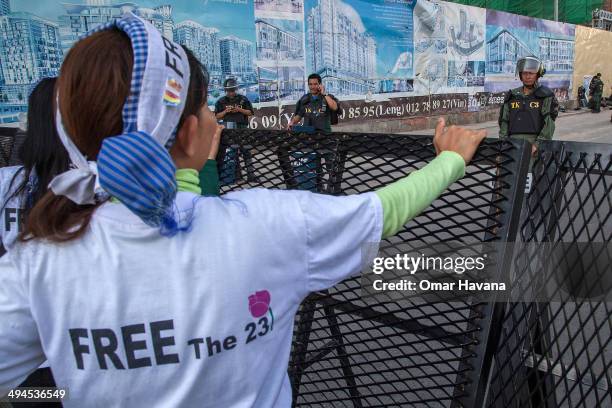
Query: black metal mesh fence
{"x":6,"y":147}
{"x":10,"y":141}
{"x":348,"y":350}
{"x":559,"y":354}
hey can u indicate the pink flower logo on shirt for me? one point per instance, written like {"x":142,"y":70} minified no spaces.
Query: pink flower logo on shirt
{"x":259,"y":303}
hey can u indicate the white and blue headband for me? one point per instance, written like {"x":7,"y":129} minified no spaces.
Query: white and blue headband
{"x":135,"y":167}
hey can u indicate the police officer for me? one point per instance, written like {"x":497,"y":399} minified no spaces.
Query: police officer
{"x":317,"y":107}
{"x":596,"y":92}
{"x":529,"y":112}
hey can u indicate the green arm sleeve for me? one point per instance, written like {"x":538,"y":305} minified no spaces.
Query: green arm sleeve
{"x":503,"y":121}
{"x":549,"y":124}
{"x":408,"y":197}
{"x":209,"y":179}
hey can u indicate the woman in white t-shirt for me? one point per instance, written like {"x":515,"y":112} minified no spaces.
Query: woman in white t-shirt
{"x":42,"y":156}
{"x":143,"y":293}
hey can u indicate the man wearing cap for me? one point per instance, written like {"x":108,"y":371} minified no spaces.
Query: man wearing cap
{"x":234,"y":110}
{"x":233,"y":107}
{"x":596,"y":91}
{"x":529,"y":111}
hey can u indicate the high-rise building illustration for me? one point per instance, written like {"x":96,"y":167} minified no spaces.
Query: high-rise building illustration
{"x":503,"y":50}
{"x":557,"y":55}
{"x":280,"y":55}
{"x":465,"y":41}
{"x":340,"y":49}
{"x":236,"y":57}
{"x":81,"y":18}
{"x":5,"y":7}
{"x":268,"y":84}
{"x":277,"y":44}
{"x":160,"y":17}
{"x":204,"y":42}
{"x":31,"y":47}
{"x":29,"y":51}
{"x":280,"y":82}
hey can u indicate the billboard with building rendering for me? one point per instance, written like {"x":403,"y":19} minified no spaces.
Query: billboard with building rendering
{"x":384,"y":58}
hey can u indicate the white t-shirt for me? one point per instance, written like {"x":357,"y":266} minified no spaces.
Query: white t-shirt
{"x":10,"y":211}
{"x":130,"y":318}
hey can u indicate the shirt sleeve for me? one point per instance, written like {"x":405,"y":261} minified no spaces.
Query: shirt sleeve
{"x":218,"y":107}
{"x":299,"y":109}
{"x":20,"y":348}
{"x":503,"y":120}
{"x":335,"y":100}
{"x":342,"y":235}
{"x":549,"y":124}
{"x":248,"y":105}
{"x":209,"y":179}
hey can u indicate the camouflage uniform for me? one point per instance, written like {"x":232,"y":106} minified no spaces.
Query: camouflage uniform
{"x":596,"y":90}
{"x":530,"y":117}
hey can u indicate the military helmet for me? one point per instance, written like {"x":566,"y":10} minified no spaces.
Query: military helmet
{"x":530,"y":64}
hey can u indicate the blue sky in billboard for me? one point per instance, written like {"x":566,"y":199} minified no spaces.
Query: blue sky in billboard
{"x":222,"y":15}
{"x":389,"y":24}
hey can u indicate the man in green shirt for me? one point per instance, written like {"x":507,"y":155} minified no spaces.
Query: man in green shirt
{"x":529,"y":111}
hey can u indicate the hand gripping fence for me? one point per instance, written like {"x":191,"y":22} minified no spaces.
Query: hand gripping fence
{"x":353,"y":350}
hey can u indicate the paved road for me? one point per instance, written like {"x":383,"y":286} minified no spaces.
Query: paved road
{"x":582,"y":126}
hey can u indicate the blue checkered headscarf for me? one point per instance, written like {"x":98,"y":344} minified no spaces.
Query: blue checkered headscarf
{"x":135,"y":167}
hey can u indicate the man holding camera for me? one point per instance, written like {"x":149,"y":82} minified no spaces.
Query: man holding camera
{"x":234,"y":110}
{"x":233,"y":107}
